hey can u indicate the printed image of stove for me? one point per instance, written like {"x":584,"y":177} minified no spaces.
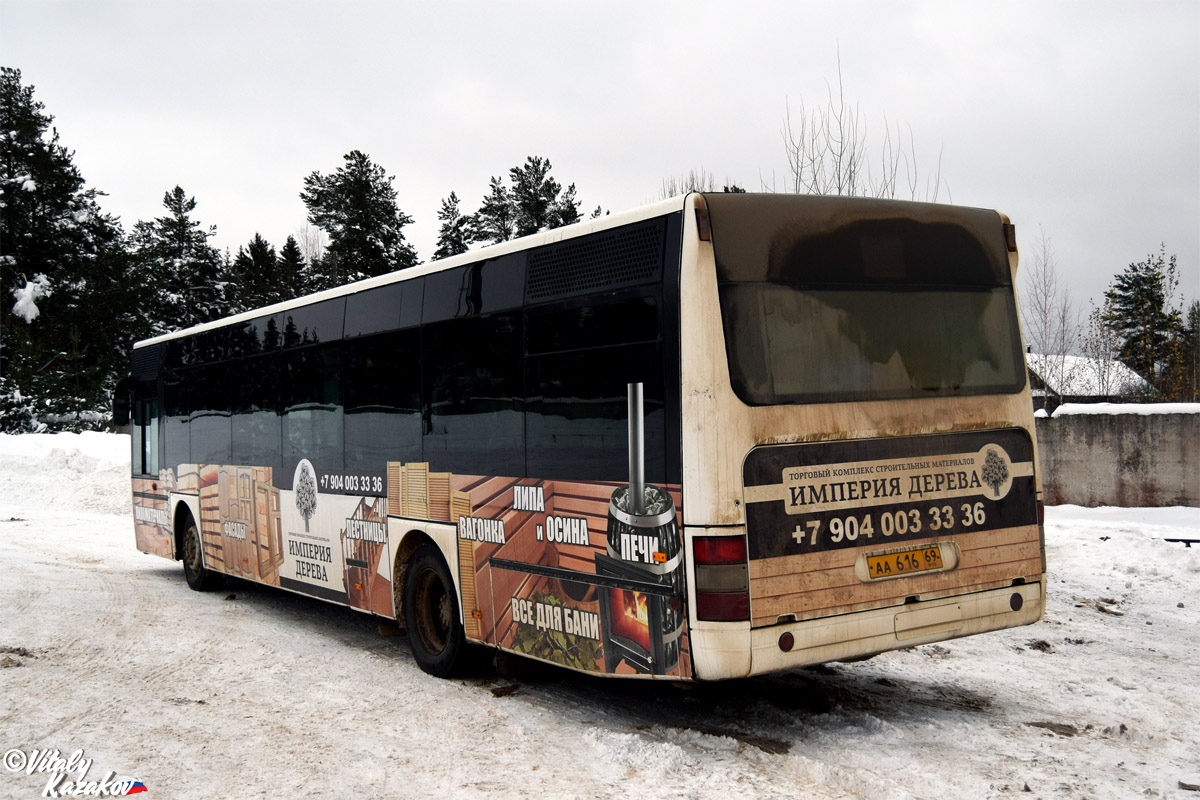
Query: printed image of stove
{"x":641,"y":628}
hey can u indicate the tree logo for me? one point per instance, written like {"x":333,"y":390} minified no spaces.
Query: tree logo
{"x":305,"y":484}
{"x":995,"y":471}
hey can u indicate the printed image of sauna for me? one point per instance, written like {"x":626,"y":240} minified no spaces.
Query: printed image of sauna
{"x":642,"y":625}
{"x":642,"y":628}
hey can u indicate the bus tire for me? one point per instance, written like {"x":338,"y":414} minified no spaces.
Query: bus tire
{"x":198,"y":576}
{"x":434,"y":629}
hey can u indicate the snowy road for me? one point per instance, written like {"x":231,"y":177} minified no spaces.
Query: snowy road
{"x":252,"y":691}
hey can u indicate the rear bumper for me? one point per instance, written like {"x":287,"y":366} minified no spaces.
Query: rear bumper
{"x":865,"y":633}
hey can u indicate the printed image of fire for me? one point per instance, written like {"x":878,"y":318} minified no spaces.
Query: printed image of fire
{"x":631,"y":619}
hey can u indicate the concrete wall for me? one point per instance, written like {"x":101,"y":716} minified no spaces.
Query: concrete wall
{"x":1120,"y":459}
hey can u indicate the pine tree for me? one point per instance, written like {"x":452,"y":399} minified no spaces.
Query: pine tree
{"x":1137,"y":309}
{"x":535,"y":202}
{"x":183,"y":270}
{"x":66,"y":294}
{"x":356,"y":207}
{"x":293,"y":272}
{"x":454,"y":233}
{"x":566,"y":209}
{"x":1182,"y":379}
{"x":493,"y":223}
{"x":256,"y":278}
{"x":534,"y":195}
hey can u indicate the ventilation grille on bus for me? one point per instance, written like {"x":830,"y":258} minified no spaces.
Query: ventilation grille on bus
{"x":146,"y":361}
{"x":622,"y":257}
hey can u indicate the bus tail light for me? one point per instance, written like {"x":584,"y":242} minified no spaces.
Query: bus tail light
{"x":722,"y":578}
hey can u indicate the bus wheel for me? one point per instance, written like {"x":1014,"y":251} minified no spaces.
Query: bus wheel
{"x":199,"y":578}
{"x":431,"y":613}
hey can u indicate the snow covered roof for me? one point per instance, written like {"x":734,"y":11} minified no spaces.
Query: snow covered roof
{"x":1078,"y":376}
{"x":1068,"y":409}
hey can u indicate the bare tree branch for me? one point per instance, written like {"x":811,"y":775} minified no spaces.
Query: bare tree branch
{"x":827,"y":151}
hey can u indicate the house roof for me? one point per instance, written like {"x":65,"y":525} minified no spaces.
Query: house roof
{"x":1079,"y":376}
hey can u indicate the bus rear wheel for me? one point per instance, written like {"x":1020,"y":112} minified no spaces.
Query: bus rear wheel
{"x":431,"y":619}
{"x":198,"y":576}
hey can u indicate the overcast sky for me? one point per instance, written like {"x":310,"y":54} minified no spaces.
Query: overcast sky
{"x":1080,"y":118}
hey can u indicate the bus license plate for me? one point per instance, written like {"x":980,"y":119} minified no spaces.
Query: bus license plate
{"x":905,"y":562}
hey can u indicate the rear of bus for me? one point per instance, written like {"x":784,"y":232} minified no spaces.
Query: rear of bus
{"x":859,"y":468}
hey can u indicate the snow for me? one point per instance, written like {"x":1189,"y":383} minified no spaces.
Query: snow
{"x":1067,"y":409}
{"x":1080,"y":376}
{"x":252,"y":691}
{"x":28,"y":295}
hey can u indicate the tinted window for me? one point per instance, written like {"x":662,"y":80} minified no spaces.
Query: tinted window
{"x":791,"y":344}
{"x":256,"y":420}
{"x":144,"y":430}
{"x":312,"y":414}
{"x":383,"y":401}
{"x":386,"y":308}
{"x":481,"y":288}
{"x":177,"y":446}
{"x":252,"y":337}
{"x":320,"y":322}
{"x":209,"y":425}
{"x":476,"y":391}
{"x":242,"y":340}
{"x":577,"y":419}
{"x":632,"y":320}
{"x":581,"y":360}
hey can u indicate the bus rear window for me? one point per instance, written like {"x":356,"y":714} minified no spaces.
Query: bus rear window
{"x":843,"y":299}
{"x":789,"y":344}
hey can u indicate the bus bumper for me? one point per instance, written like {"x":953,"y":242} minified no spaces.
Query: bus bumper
{"x":847,"y":637}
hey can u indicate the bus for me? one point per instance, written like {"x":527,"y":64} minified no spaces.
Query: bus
{"x":717,"y":436}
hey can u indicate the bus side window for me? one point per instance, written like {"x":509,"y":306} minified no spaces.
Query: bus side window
{"x":577,"y":419}
{"x":256,"y":421}
{"x":383,"y":400}
{"x":148,"y":424}
{"x":475,"y":396}
{"x":144,"y":432}
{"x":175,"y":423}
{"x":209,"y":425}
{"x":312,"y":414}
{"x":581,"y":357}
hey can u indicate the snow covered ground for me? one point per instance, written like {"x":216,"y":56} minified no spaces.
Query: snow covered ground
{"x":252,"y":692}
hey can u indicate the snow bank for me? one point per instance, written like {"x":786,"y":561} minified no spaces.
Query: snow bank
{"x":1067,"y":409}
{"x":84,"y":471}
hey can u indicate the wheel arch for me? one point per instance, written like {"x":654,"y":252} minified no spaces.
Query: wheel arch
{"x":183,"y":508}
{"x":412,"y":535}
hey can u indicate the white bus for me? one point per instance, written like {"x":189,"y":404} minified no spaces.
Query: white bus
{"x":718,"y":436}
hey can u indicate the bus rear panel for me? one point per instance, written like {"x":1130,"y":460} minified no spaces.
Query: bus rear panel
{"x":874,"y":446}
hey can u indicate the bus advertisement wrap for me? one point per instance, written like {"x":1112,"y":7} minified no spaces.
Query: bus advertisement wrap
{"x":543,"y":574}
{"x":895,"y":490}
